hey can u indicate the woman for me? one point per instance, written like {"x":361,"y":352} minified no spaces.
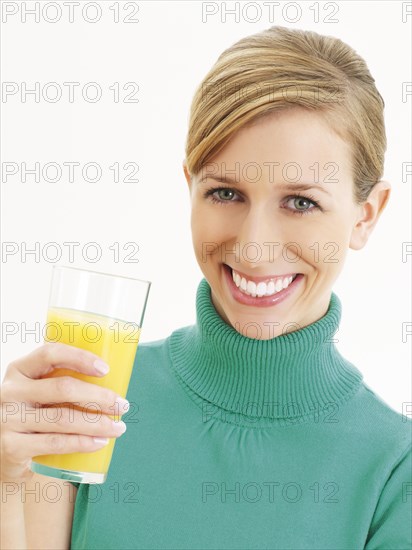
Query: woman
{"x":253,"y":431}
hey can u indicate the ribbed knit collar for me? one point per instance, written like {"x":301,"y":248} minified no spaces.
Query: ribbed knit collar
{"x":289,"y":376}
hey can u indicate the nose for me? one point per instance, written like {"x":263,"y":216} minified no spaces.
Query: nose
{"x":259,"y":238}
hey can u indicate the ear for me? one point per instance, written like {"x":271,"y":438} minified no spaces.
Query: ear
{"x":369,"y":213}
{"x":187,"y":175}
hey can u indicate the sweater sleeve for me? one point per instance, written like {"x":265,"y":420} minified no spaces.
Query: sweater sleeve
{"x":391,"y":526}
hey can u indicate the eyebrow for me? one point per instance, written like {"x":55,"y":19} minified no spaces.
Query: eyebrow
{"x":282,"y":186}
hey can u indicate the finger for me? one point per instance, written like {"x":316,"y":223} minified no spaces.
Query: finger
{"x":66,"y":420}
{"x":52,"y":355}
{"x":68,"y":389}
{"x":21,"y":447}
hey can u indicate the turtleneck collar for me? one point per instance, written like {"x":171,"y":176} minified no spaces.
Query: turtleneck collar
{"x":287,"y":377}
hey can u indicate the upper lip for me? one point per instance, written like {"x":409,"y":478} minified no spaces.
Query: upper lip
{"x":263,"y":278}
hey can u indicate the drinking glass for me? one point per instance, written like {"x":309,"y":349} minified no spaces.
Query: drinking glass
{"x":101,"y":313}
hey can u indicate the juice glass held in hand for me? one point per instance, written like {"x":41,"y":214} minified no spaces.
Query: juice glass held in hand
{"x":103,"y":314}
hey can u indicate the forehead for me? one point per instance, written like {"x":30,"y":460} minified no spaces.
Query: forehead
{"x":292,"y":140}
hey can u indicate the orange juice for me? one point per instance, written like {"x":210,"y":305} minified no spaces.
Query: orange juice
{"x":113,"y":340}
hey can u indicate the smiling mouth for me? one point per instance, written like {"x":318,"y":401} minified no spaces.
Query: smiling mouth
{"x":260,"y":286}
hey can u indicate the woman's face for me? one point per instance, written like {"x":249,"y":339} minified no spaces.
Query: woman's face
{"x":285,"y":216}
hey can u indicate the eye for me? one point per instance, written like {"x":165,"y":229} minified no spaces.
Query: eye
{"x":301,"y":204}
{"x":224,"y":193}
{"x":297,"y":204}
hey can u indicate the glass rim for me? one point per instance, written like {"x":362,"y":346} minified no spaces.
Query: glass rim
{"x":102,"y":273}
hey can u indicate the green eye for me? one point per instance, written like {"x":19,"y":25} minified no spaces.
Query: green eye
{"x":221,"y":193}
{"x":217,"y":195}
{"x":301,"y":203}
{"x":298,"y":204}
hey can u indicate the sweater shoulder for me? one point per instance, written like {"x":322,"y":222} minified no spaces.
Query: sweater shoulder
{"x":152,"y":346}
{"x":389,"y":425}
{"x":152,"y":365}
{"x":152,"y":355}
{"x":155,"y":349}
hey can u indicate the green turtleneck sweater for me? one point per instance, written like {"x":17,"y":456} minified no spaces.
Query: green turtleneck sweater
{"x":239,"y":443}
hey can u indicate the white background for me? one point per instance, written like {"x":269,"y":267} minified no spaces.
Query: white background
{"x":167,"y":53}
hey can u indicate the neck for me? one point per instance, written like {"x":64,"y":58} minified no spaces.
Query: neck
{"x":288,"y":376}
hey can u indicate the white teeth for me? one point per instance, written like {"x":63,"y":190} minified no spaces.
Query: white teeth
{"x":270,"y":288}
{"x":251,"y":288}
{"x":261,"y":289}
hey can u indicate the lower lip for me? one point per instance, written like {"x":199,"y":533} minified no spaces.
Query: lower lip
{"x":264,"y":301}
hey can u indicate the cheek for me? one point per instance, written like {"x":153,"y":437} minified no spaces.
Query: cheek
{"x":325,"y":242}
{"x":321,"y":240}
{"x":209,"y":224}
{"x":211,"y":228}
{"x":203,"y":234}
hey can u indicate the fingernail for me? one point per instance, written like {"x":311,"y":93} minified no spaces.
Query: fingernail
{"x":124,"y":405}
{"x":101,"y":440}
{"x":119,"y":426}
{"x":101,"y":366}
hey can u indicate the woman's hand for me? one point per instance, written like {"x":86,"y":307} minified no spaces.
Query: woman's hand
{"x":27,"y":431}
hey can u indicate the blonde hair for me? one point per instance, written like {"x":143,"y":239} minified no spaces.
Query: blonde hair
{"x":285,"y":68}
